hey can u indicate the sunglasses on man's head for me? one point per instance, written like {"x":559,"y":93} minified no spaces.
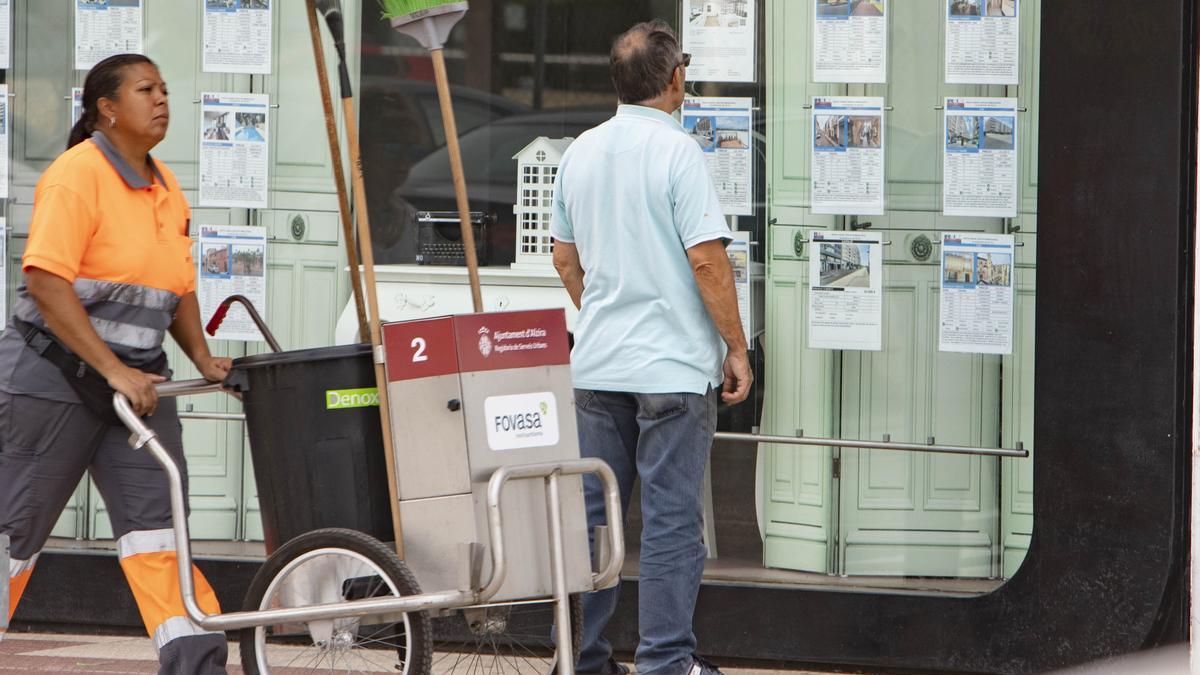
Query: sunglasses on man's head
{"x":685,"y":59}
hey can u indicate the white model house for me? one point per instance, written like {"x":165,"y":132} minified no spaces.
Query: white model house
{"x":537,"y":165}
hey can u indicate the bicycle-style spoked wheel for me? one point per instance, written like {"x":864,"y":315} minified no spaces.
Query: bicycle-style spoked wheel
{"x":326,"y":566}
{"x":512,"y":638}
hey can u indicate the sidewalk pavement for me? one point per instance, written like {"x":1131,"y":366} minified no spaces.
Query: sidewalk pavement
{"x":30,"y":653}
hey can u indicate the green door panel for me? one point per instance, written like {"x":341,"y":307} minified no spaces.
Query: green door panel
{"x":918,"y":514}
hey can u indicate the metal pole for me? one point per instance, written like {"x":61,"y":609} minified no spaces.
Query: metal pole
{"x":562,"y":607}
{"x":872,"y":445}
{"x":339,"y":181}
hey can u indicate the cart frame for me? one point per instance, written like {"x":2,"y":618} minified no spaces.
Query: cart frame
{"x":611,"y":544}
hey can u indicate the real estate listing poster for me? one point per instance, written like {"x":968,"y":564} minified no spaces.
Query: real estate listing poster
{"x":5,"y":30}
{"x":982,"y":41}
{"x":719,"y":34}
{"x":5,"y":125}
{"x":233,"y":150}
{"x":721,"y":126}
{"x":739,"y":257}
{"x":847,"y":155}
{"x":237,"y":36}
{"x":845,"y":290}
{"x":979,"y":161}
{"x":976,"y":312}
{"x":104,"y":28}
{"x":850,"y":41}
{"x":76,"y":104}
{"x":232,"y":261}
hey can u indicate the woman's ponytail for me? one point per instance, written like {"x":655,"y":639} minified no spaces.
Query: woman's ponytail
{"x":81,"y":131}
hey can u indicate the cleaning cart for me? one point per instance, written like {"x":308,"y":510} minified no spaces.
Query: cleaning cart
{"x":489,"y":488}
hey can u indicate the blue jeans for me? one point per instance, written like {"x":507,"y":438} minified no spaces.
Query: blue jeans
{"x":663,"y":439}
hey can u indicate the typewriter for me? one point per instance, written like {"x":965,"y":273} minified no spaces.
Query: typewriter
{"x":439,"y":239}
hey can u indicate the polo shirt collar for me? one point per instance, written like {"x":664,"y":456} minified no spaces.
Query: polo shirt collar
{"x":132,"y":178}
{"x":646,"y":112}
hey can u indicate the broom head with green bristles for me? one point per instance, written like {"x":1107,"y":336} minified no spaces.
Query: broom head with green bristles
{"x":429,"y":21}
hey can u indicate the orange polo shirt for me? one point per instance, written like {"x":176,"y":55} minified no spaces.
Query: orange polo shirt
{"x":96,"y":218}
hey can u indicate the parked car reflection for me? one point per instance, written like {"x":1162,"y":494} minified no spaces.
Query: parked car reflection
{"x":491,"y":175}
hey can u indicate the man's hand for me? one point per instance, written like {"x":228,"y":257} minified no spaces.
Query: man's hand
{"x":738,"y":377}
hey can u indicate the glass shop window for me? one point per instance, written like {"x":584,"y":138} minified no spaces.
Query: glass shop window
{"x":892,"y":218}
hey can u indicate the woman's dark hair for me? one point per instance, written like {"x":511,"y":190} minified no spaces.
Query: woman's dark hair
{"x":103,"y":81}
{"x":643,"y":60}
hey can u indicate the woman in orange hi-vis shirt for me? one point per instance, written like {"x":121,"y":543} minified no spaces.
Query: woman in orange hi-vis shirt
{"x":108,"y":272}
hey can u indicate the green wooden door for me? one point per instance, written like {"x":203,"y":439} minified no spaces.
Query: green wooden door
{"x":798,"y":500}
{"x":918,"y":514}
{"x":796,"y":486}
{"x":887,"y":512}
{"x":213,"y":448}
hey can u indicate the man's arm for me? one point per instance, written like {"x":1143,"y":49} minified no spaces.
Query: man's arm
{"x":714,"y":277}
{"x":566,"y":263}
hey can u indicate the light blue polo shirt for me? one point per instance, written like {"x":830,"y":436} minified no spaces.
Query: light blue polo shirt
{"x":633,"y":194}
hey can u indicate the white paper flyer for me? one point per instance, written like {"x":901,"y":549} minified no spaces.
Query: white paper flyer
{"x":104,"y":28}
{"x":233,"y":150}
{"x":721,"y":126}
{"x":720,"y":38}
{"x":237,"y":36}
{"x":845,"y":291}
{"x":979,"y":164}
{"x":850,"y":41}
{"x":739,"y":257}
{"x":976,"y":313}
{"x":3,"y":267}
{"x":982,"y":41}
{"x":232,"y":261}
{"x":76,"y":104}
{"x":4,"y":134}
{"x":5,"y":30}
{"x":847,"y":155}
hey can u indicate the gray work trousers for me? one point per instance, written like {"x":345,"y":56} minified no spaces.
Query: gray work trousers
{"x":45,"y":447}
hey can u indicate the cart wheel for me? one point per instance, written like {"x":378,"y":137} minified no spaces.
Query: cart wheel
{"x":325,"y":566}
{"x":511,"y":637}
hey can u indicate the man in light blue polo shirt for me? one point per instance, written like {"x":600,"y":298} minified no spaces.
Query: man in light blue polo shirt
{"x":639,"y":241}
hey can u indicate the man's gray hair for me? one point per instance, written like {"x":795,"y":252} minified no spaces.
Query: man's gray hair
{"x":643,"y":60}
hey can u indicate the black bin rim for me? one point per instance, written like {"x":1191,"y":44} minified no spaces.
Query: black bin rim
{"x":301,"y":356}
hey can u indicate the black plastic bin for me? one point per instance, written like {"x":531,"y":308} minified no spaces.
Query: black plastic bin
{"x":318,"y":456}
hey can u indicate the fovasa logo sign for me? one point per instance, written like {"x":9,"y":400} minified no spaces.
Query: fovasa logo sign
{"x":521,"y":420}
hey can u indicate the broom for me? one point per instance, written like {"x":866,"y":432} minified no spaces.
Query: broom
{"x":331,"y":10}
{"x":430,"y":22}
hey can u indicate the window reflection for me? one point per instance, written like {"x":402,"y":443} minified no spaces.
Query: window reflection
{"x":520,"y":69}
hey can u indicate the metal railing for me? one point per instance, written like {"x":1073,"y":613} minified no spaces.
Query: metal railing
{"x":799,"y":439}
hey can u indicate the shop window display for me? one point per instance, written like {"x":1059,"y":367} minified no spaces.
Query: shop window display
{"x":528,"y":69}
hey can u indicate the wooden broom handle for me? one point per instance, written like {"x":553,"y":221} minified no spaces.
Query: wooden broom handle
{"x":368,"y":256}
{"x":456,"y":172}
